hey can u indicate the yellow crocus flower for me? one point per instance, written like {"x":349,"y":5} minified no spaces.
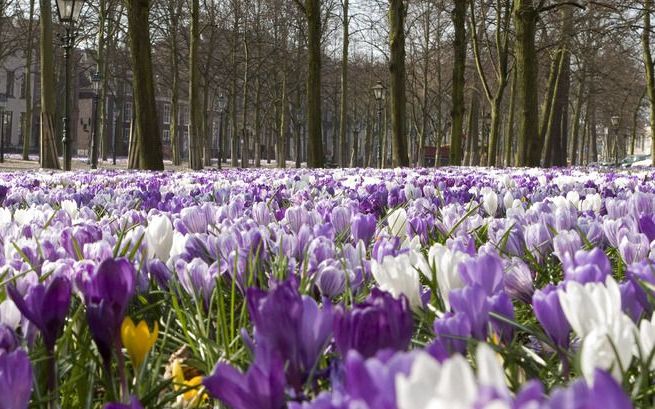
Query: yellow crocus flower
{"x":191,"y":395}
{"x":138,"y":339}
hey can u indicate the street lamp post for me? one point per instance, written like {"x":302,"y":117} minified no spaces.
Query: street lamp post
{"x":221,"y":104}
{"x":378,"y":92}
{"x":96,"y":78}
{"x":69,"y":13}
{"x":3,"y":103}
{"x":615,"y":125}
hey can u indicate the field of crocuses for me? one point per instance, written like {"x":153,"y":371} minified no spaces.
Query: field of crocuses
{"x":299,"y":289}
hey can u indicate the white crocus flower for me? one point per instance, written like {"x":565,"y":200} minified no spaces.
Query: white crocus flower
{"x":397,"y":276}
{"x":489,"y":201}
{"x":446,"y":264}
{"x":70,"y":207}
{"x":177,"y":248}
{"x":397,"y":220}
{"x":574,"y":198}
{"x":608,"y":335}
{"x":508,"y":200}
{"x":647,"y":341}
{"x":592,"y":202}
{"x":608,"y":348}
{"x":159,"y":236}
{"x":453,"y":384}
{"x":5,"y":216}
{"x":590,"y":306}
{"x":9,"y":314}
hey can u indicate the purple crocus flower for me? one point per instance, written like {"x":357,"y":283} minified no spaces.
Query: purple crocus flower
{"x":605,"y":393}
{"x":548,"y":311}
{"x":291,"y":324}
{"x":340,"y":218}
{"x":45,"y":306}
{"x":107,"y":294}
{"x":538,"y":240}
{"x":634,"y":247}
{"x":588,"y":266}
{"x":380,"y":322}
{"x":630,"y":300}
{"x":452,"y":331}
{"x":363,"y":227}
{"x":640,"y":274}
{"x":386,"y":246}
{"x":8,"y":339}
{"x":15,"y":380}
{"x":73,"y":239}
{"x":159,"y":272}
{"x":647,"y":226}
{"x":566,"y":244}
{"x":330,"y":278}
{"x":472,"y":302}
{"x":195,"y":219}
{"x":371,"y":382}
{"x":501,"y":305}
{"x":485,"y":271}
{"x":261,"y":387}
{"x":518,"y":281}
{"x":134,"y":404}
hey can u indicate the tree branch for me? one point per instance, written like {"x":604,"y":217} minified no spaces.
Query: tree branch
{"x":300,"y":6}
{"x":564,"y":3}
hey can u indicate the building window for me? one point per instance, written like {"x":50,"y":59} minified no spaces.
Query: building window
{"x":126,"y":136}
{"x":166,"y":136}
{"x":127,"y":112}
{"x":23,"y":84}
{"x":167,"y":114}
{"x":10,"y":84}
{"x":184,"y":116}
{"x":7,"y":126}
{"x":21,"y":126}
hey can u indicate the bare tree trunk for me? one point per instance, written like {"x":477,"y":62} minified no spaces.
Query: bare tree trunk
{"x":48,"y":149}
{"x":474,"y":130}
{"x":459,"y":67}
{"x":110,"y":34}
{"x":27,"y":125}
{"x":245,"y":143}
{"x":206,"y":131}
{"x":258,"y":125}
{"x":575,"y":158}
{"x":509,"y":135}
{"x":315,"y":136}
{"x":525,"y":22}
{"x":550,"y":116}
{"x":282,"y":136}
{"x":650,"y":75}
{"x":593,"y":135}
{"x":343,"y":109}
{"x":397,"y":12}
{"x":175,"y":105}
{"x":195,"y":105}
{"x":368,"y":138}
{"x":147,"y":125}
{"x":635,"y":121}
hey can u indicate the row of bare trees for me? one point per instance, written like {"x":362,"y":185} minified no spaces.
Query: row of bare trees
{"x":498,"y":82}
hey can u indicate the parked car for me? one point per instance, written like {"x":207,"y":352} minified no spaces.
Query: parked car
{"x":629,"y":161}
{"x":646,"y":160}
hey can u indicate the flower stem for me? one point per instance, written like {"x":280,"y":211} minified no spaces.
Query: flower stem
{"x":121,"y":374}
{"x":51,"y":363}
